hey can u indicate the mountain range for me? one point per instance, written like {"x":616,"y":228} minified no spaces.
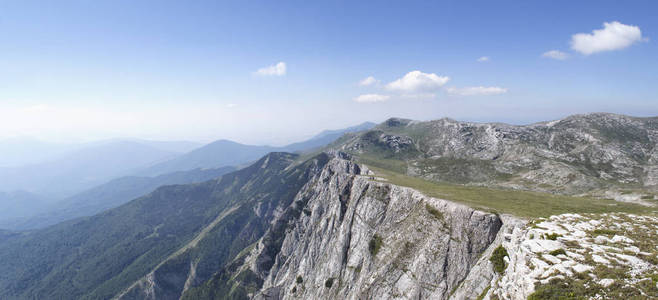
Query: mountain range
{"x":105,"y":196}
{"x":408,"y":210}
{"x":228,"y":153}
{"x":578,"y":154}
{"x":80,"y":184}
{"x":81,"y":169}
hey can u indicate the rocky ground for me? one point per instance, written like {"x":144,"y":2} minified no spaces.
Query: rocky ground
{"x":605,"y":256}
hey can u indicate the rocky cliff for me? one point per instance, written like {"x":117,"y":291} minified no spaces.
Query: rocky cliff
{"x":367,"y":239}
{"x":577,"y":154}
{"x":358,"y":237}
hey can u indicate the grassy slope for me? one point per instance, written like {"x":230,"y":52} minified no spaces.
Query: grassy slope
{"x":520,"y":203}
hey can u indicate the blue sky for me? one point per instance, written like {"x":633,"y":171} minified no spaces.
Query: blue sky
{"x":72,"y":70}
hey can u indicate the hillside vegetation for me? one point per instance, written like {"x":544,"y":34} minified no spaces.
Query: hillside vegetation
{"x":520,"y":203}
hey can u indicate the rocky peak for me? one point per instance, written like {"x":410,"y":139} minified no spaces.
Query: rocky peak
{"x":395,"y":122}
{"x":577,"y":154}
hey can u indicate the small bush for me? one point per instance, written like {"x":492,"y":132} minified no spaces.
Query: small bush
{"x":552,"y":236}
{"x":434,"y":212}
{"x":557,"y":252}
{"x":649,"y":287}
{"x":329,"y":283}
{"x":497,"y":258}
{"x":564,"y":289}
{"x":572,"y":244}
{"x":604,"y":232}
{"x":654,"y":278}
{"x":603,"y":271}
{"x":294,"y":289}
{"x":652,"y":259}
{"x":375,"y":244}
{"x":300,"y":279}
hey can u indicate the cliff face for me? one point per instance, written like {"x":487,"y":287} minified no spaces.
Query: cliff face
{"x":258,"y":195}
{"x":361,"y":238}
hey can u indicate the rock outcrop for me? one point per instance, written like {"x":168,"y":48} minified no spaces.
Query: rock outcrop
{"x":359,"y":238}
{"x":577,"y":154}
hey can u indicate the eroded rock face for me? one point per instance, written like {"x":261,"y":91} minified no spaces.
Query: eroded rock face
{"x":577,"y":154}
{"x":363,"y":239}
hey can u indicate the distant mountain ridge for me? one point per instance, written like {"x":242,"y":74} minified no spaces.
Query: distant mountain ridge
{"x":326,"y":137}
{"x":82,"y":176}
{"x":24,"y":151}
{"x":19,"y":151}
{"x":109,"y":195}
{"x":228,"y":153}
{"x":19,"y":204}
{"x":81,"y":169}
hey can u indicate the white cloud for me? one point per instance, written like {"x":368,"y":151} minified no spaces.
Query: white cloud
{"x":418,"y":81}
{"x":371,"y":98}
{"x":274,"y":70}
{"x":613,"y":36}
{"x":476,"y":91}
{"x":483,"y":59}
{"x":368,"y":81}
{"x":556,"y":54}
{"x":231,"y":105}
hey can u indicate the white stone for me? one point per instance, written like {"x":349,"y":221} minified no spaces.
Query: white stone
{"x":600,"y":259}
{"x":580,"y":268}
{"x":601,"y":239}
{"x":575,"y":255}
{"x":621,"y":239}
{"x":551,"y":258}
{"x":539,"y":263}
{"x":632,"y":249}
{"x":538,"y":246}
{"x":606,"y":282}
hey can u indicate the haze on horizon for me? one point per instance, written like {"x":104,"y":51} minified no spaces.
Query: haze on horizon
{"x":274,"y":73}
